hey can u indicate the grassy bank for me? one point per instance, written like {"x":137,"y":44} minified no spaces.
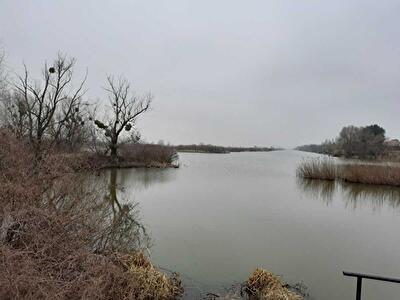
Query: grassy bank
{"x":130,"y":156}
{"x":366,"y":173}
{"x":61,"y":240}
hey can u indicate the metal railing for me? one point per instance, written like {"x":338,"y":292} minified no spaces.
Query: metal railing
{"x":360,"y":277}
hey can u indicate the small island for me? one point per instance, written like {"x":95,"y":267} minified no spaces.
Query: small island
{"x":366,"y":156}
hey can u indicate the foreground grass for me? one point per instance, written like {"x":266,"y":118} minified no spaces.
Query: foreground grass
{"x":327,"y":169}
{"x":264,"y":285}
{"x":60,"y":240}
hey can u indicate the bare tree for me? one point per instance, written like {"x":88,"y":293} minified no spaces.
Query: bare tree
{"x":126,"y":108}
{"x":42,"y":108}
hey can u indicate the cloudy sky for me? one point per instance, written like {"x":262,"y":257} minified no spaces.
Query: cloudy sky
{"x":259,"y":72}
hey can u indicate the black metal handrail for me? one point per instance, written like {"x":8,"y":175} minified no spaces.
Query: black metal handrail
{"x":360,"y":277}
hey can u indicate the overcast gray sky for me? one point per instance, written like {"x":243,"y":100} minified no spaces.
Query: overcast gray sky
{"x":223,"y":71}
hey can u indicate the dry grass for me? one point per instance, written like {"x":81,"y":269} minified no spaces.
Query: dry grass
{"x":148,"y":153}
{"x":50,"y":231}
{"x":323,"y":168}
{"x":371,"y":174}
{"x":264,"y":285}
{"x":366,"y":173}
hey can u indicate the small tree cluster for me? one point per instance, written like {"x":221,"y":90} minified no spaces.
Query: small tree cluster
{"x":50,"y":111}
{"x":41,"y":110}
{"x":353,"y":141}
{"x":361,"y":142}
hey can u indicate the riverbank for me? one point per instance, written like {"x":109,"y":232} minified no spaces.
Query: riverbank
{"x":129,"y":156}
{"x":354,"y":172}
{"x":221,"y":149}
{"x":62,"y":239}
{"x":95,"y":161}
{"x":202,"y":151}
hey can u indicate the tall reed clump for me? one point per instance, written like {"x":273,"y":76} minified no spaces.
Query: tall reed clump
{"x":322,"y":168}
{"x":50,"y":227}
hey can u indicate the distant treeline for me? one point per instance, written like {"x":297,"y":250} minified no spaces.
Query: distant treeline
{"x":220,"y":149}
{"x":354,"y":142}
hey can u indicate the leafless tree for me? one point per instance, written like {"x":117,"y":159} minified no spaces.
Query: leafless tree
{"x":125,"y":109}
{"x":42,"y":109}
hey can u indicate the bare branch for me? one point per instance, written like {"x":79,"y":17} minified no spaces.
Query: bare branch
{"x":126,"y":108}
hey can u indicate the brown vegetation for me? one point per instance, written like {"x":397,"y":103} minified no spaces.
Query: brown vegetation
{"x":371,"y":174}
{"x":149,"y":153}
{"x":324,"y":169}
{"x":367,"y":173}
{"x":132,"y":156}
{"x":264,"y":285}
{"x":58,"y":239}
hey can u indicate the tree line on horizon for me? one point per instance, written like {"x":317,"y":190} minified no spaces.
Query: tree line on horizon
{"x":208,"y":148}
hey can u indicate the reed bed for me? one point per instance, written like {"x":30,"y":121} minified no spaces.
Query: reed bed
{"x":324,"y":169}
{"x":366,"y":173}
{"x":371,"y":174}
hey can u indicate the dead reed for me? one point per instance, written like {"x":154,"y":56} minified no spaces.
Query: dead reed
{"x":371,"y":174}
{"x":264,"y":285}
{"x":323,"y":168}
{"x":366,"y":173}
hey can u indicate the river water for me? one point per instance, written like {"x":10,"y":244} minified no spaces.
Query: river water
{"x":219,"y":216}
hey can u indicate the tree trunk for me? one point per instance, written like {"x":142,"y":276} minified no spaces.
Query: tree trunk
{"x":114,"y":154}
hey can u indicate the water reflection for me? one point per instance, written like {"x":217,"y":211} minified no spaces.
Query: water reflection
{"x":122,"y":227}
{"x":318,"y":189}
{"x":114,"y":216}
{"x":358,"y":195}
{"x":117,"y":212}
{"x":355,"y":195}
{"x":144,"y":178}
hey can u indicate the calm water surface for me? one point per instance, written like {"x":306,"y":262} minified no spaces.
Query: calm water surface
{"x":219,"y":216}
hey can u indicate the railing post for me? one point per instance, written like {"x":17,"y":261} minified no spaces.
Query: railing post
{"x":360,"y":277}
{"x":359,"y":284}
